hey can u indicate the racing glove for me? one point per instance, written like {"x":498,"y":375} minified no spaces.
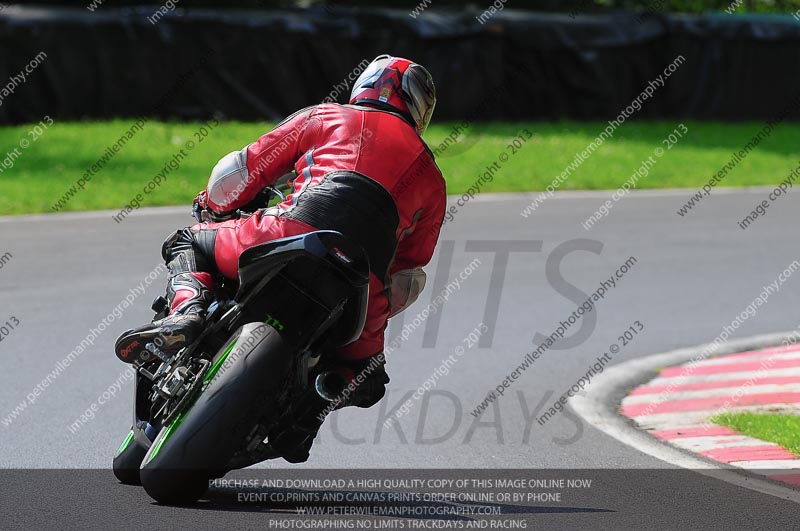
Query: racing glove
{"x":203,"y":213}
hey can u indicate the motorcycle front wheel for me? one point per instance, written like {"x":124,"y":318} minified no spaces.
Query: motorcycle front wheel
{"x":199,"y":443}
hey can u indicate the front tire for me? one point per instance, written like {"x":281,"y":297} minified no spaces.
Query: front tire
{"x":129,"y":457}
{"x":199,"y":443}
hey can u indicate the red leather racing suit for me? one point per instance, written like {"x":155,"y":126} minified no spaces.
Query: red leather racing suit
{"x":362,"y":171}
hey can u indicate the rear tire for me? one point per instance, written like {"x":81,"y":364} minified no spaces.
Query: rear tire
{"x":176,"y":487}
{"x":198,"y":445}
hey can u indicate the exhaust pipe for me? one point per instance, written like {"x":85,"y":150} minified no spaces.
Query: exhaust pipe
{"x":329,"y":386}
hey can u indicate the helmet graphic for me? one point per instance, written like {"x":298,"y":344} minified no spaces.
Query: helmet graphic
{"x":398,"y":85}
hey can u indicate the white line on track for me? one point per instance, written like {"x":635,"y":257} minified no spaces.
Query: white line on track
{"x":701,"y":444}
{"x":684,"y":419}
{"x":99,"y":214}
{"x":721,"y":377}
{"x":481,"y":198}
{"x":788,"y":355}
{"x":715,"y":393}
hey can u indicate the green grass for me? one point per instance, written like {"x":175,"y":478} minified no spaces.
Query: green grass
{"x":779,"y":429}
{"x":45,"y":170}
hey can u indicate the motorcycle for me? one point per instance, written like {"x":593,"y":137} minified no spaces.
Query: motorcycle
{"x":222,"y":402}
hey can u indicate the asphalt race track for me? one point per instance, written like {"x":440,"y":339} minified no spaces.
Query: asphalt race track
{"x":691,"y":277}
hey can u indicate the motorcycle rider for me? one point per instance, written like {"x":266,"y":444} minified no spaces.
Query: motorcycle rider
{"x":361,"y":169}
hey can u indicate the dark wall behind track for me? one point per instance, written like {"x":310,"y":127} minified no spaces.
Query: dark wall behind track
{"x":519,"y":65}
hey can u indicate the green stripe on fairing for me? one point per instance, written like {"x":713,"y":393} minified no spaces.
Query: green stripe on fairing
{"x":125,"y":443}
{"x":175,"y":423}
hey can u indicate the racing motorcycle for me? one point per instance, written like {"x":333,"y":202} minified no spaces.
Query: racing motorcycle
{"x":223,"y":402}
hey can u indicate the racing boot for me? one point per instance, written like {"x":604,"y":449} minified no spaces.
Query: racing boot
{"x":360,"y":383}
{"x":189,"y":295}
{"x":298,"y":427}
